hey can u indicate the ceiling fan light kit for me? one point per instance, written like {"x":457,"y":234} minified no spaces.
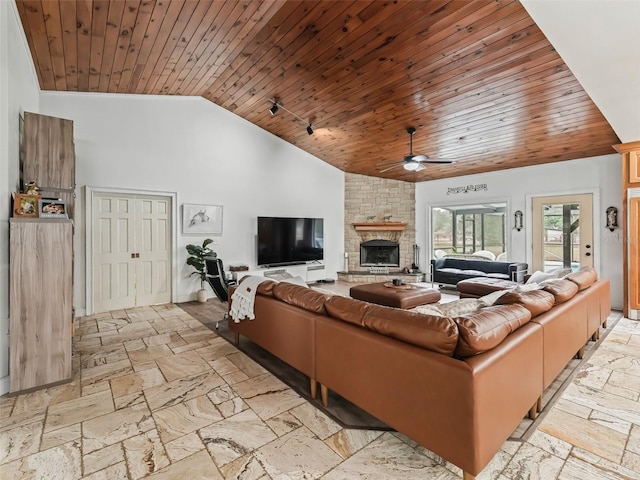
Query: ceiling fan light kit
{"x":415,"y":163}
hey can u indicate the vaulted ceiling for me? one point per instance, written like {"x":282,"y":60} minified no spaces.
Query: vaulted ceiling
{"x":478,"y":80}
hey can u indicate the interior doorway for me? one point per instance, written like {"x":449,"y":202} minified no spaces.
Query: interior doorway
{"x":562,"y":232}
{"x":131,"y":250}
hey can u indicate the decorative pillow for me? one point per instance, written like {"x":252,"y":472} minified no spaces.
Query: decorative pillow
{"x":527,"y":287}
{"x":460,"y":307}
{"x":428,"y":310}
{"x":538,"y":276}
{"x":492,"y":297}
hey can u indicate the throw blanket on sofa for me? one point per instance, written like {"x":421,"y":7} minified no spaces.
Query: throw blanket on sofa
{"x":243,"y":298}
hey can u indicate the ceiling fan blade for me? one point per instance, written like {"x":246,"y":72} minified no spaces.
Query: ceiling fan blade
{"x":390,"y":168}
{"x":420,"y":167}
{"x":437,"y":160}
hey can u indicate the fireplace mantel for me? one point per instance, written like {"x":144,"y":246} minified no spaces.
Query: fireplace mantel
{"x":380,"y":227}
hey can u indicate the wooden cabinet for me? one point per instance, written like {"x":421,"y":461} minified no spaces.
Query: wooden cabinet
{"x":630,"y":227}
{"x":48,"y":156}
{"x":41,"y":305}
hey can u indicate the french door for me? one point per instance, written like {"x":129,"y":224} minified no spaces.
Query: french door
{"x":131,"y":245}
{"x":562,"y":232}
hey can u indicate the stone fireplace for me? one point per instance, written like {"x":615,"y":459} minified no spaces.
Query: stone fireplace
{"x":378,"y":209}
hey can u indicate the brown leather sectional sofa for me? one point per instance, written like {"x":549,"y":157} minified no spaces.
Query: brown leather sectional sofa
{"x":458,"y":386}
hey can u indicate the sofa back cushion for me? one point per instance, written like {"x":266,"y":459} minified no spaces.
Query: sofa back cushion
{"x":536,"y":301}
{"x":438,"y":334}
{"x":486,"y":329}
{"x":561,"y":289}
{"x":266,"y":287}
{"x":584,"y":277}
{"x":299,"y":296}
{"x":346,"y":309}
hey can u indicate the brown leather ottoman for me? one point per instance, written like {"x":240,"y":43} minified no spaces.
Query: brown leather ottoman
{"x":407,"y":296}
{"x":480,"y":286}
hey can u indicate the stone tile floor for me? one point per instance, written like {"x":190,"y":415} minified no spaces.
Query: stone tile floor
{"x":156,"y":394}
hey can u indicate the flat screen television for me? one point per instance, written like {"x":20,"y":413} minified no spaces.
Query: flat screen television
{"x":288,"y":241}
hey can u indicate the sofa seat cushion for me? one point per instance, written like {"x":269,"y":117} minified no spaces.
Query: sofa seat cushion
{"x":437,"y":334}
{"x":299,"y":296}
{"x":536,"y":301}
{"x":449,"y":270}
{"x":346,"y":309}
{"x":561,"y":289}
{"x":584,"y":277}
{"x":502,"y":276}
{"x":473,"y":273}
{"x":486,"y":329}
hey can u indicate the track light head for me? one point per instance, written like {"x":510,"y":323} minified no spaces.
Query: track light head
{"x":274,"y":108}
{"x":310,"y":130}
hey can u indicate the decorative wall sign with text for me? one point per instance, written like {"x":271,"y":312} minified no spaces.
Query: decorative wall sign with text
{"x":467,"y":188}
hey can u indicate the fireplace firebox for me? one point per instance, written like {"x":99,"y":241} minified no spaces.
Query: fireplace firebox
{"x":379,"y":253}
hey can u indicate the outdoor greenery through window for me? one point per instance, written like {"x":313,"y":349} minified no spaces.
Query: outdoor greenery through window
{"x":469,"y":229}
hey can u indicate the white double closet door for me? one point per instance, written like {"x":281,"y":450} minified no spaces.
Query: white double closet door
{"x":131,"y":248}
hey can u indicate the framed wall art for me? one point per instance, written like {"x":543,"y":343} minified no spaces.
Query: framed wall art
{"x":52,"y":208}
{"x":202,"y":219}
{"x":25,"y":205}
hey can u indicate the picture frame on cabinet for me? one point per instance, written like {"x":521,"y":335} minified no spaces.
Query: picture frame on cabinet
{"x":25,"y":205}
{"x":52,"y":208}
{"x":202,"y":219}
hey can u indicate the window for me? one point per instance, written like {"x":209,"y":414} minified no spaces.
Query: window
{"x":465,"y":229}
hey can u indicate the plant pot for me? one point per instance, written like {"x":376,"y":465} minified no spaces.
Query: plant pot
{"x":202,"y":295}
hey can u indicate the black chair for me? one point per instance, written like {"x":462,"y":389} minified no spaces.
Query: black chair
{"x":218,"y":281}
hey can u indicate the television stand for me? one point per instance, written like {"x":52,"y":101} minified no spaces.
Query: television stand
{"x":311,"y":272}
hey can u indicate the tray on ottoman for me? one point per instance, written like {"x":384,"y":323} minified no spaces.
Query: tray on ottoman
{"x":404,"y":297}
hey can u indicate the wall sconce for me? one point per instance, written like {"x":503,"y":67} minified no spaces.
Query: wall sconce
{"x":518,"y":220}
{"x":612,"y":218}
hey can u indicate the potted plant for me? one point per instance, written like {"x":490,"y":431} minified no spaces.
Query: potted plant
{"x":197,"y":256}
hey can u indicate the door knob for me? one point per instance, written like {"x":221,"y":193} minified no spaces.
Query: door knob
{"x":587,"y":246}
{"x":588,"y":254}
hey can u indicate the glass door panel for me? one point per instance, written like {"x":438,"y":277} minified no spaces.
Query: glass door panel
{"x":562,"y":232}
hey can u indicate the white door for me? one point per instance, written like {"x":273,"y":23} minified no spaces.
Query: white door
{"x":562,"y":232}
{"x":131,"y":251}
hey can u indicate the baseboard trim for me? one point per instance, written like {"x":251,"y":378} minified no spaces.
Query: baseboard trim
{"x":5,"y":384}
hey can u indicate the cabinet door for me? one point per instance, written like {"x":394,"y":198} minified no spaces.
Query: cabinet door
{"x":49,"y":154}
{"x":41,"y":302}
{"x":634,"y":253}
{"x":634,"y":166}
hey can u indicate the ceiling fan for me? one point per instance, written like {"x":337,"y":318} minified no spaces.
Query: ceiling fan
{"x":412,"y":162}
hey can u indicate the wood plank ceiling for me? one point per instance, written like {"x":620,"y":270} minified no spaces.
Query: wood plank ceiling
{"x":478,"y":80}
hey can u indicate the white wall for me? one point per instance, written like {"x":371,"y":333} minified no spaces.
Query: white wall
{"x":206,"y":155}
{"x":18,"y":93}
{"x":600,"y":175}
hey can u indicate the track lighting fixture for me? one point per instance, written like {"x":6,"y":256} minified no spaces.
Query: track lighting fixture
{"x":276,"y":106}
